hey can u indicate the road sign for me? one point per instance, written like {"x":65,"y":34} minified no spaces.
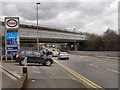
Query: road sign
{"x":12,"y":48}
{"x":11,"y":52}
{"x":12,"y":43}
{"x":12,"y":31}
{"x":11,"y":40}
{"x":12,"y":35}
{"x":12,"y":22}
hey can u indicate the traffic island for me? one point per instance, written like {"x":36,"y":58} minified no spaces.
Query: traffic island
{"x":9,"y":61}
{"x":22,"y":81}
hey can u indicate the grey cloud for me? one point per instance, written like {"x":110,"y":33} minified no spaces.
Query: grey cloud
{"x":49,"y":14}
{"x":46,"y":10}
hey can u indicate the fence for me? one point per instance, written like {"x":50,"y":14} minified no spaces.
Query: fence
{"x":98,"y":53}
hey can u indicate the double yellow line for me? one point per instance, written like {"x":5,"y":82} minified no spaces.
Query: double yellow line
{"x":90,"y":83}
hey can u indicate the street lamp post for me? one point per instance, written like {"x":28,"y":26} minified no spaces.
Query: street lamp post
{"x":37,"y":27}
{"x":74,"y":41}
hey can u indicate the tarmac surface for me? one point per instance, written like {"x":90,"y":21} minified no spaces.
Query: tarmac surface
{"x":77,"y":72}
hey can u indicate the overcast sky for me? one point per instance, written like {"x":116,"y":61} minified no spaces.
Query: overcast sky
{"x":93,"y":17}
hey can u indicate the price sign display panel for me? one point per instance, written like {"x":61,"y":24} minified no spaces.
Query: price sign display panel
{"x":11,"y":52}
{"x":12,"y":35}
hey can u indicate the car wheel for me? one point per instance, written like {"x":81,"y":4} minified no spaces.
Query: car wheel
{"x":22,"y":62}
{"x":48,"y":62}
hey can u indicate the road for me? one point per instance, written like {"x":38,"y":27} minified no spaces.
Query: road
{"x":101,"y":71}
{"x":51,"y":77}
{"x":77,"y":72}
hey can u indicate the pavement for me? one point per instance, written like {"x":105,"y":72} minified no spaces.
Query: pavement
{"x":11,"y":72}
{"x":40,"y":76}
{"x":7,"y":81}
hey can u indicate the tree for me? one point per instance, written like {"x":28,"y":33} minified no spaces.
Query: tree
{"x":110,"y":38}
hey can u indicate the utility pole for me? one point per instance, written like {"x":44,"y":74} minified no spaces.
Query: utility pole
{"x":37,"y":27}
{"x":74,"y":41}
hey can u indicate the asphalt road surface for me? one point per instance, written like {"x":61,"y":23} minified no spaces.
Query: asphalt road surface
{"x":51,"y":77}
{"x":101,"y":71}
{"x":77,"y":72}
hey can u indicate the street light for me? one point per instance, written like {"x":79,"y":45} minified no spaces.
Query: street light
{"x":37,"y":27}
{"x":74,"y":41}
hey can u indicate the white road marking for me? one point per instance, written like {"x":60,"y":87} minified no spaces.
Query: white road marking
{"x":12,"y":77}
{"x":113,"y":71}
{"x":14,"y":73}
{"x":92,"y":65}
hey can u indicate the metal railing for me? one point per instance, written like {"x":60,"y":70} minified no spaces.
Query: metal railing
{"x":6,"y":57}
{"x":52,"y":35}
{"x":98,"y":53}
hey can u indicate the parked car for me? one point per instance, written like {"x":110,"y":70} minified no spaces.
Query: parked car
{"x":63,"y":55}
{"x":18,"y":52}
{"x":33,"y":57}
{"x":55,"y":53}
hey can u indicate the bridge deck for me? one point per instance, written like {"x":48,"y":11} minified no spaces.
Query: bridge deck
{"x":32,"y":33}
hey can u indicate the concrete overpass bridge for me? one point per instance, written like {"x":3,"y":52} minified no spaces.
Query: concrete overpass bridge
{"x":29,"y":35}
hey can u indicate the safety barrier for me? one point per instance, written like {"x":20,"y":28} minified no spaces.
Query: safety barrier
{"x":98,"y":53}
{"x":6,"y":57}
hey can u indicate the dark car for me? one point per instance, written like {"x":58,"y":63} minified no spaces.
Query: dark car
{"x":15,"y":54}
{"x":33,"y":57}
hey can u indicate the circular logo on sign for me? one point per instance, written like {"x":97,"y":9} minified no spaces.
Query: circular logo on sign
{"x":12,"y":23}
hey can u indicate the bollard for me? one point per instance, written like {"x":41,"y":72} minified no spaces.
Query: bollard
{"x":6,"y":57}
{"x":11,"y":57}
{"x":25,"y":67}
{"x":24,"y":70}
{"x":25,"y":61}
{"x":1,"y":58}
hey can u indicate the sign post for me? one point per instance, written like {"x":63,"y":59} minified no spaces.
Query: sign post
{"x":12,"y":40}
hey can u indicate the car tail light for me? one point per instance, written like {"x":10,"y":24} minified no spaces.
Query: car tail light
{"x":67,"y":54}
{"x":17,"y":55}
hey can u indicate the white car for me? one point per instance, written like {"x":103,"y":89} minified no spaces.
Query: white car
{"x":55,"y":53}
{"x":63,"y":55}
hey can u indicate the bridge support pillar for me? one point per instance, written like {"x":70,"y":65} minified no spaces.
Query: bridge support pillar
{"x":69,"y":48}
{"x":76,"y":46}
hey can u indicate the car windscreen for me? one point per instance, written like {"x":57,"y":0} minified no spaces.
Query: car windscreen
{"x":29,"y":52}
{"x":22,"y":52}
{"x":63,"y":52}
{"x":37,"y":53}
